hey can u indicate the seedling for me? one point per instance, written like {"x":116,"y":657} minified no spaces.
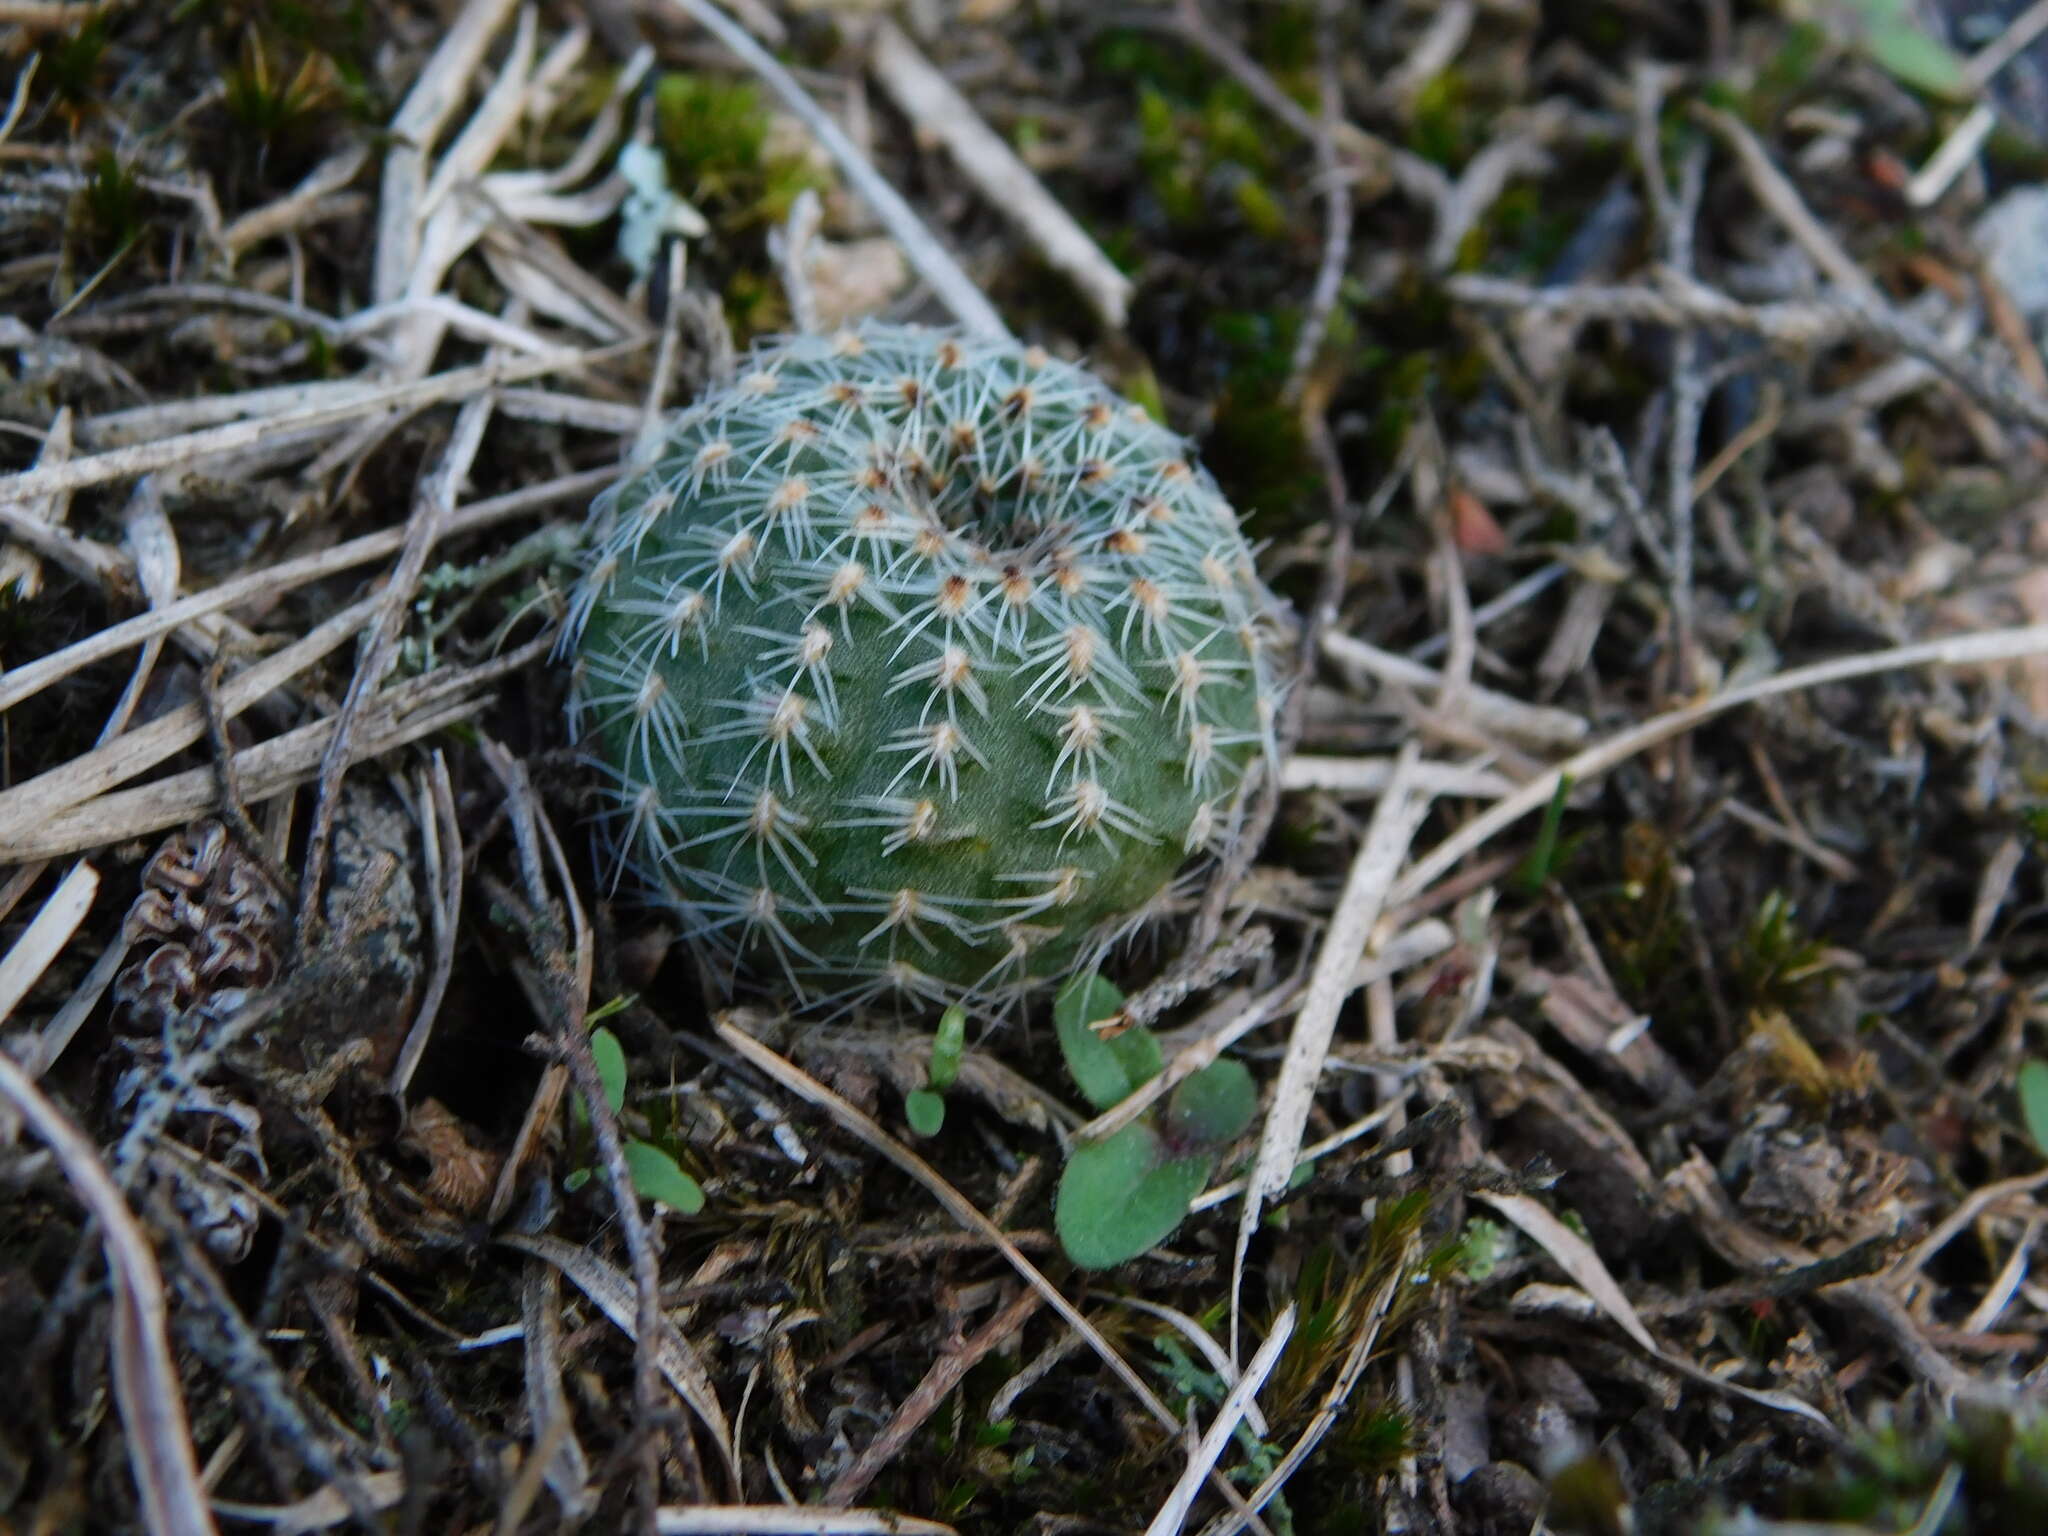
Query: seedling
{"x":925,"y":1108}
{"x":1129,"y":1191}
{"x":656,"y":1174}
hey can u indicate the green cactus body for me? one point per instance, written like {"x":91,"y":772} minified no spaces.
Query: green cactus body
{"x":918,"y":664}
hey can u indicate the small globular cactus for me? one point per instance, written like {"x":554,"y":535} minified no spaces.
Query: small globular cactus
{"x":919,"y":664}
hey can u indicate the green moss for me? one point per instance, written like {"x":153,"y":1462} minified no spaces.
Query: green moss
{"x":1530,"y":227}
{"x":1261,"y":210}
{"x":1237,"y":130}
{"x":715,"y":133}
{"x":1776,"y":962}
{"x":1443,"y":127}
{"x":277,"y":94}
{"x":1284,"y":40}
{"x":1256,"y":445}
{"x":1802,"y":48}
{"x":1636,"y":906}
{"x":113,"y":200}
{"x":1149,"y":59}
{"x":1982,"y":1473}
{"x":1212,"y":164}
{"x":71,"y":64}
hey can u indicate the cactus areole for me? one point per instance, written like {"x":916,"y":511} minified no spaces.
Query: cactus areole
{"x":918,"y":664}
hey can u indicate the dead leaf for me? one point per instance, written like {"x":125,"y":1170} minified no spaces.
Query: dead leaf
{"x":1473,"y":527}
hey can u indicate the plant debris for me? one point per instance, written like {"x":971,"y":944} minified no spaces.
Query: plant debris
{"x":1634,"y":956}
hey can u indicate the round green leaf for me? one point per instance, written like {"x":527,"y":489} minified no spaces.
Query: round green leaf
{"x":925,"y":1110}
{"x":657,"y":1177}
{"x":1907,"y":51}
{"x":1215,"y":1105}
{"x":611,"y":1066}
{"x":2034,"y":1101}
{"x":1098,"y":1067}
{"x":1138,"y":1049}
{"x":1119,"y":1196}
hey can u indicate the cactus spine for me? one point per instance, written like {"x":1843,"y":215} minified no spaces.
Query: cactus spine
{"x":917,"y":664}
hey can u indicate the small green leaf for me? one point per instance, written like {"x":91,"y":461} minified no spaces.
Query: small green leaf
{"x":1138,"y":1049}
{"x":2034,"y":1101}
{"x":617,"y":1005}
{"x":1897,"y":43}
{"x":925,"y":1110}
{"x":657,"y":1177}
{"x":611,"y":1066}
{"x":1535,"y":870}
{"x":1098,"y":1067}
{"x":1214,"y":1105}
{"x":1120,"y":1196}
{"x":947,"y":1047}
{"x":575,"y":1179}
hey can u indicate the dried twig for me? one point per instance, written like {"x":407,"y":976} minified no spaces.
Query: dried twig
{"x":1801,"y":326}
{"x":930,"y":101}
{"x":1979,"y":649}
{"x":197,"y":447}
{"x":432,"y":507}
{"x":1395,"y":821}
{"x":31,"y":677}
{"x":1335,"y":188}
{"x":945,"y":1374}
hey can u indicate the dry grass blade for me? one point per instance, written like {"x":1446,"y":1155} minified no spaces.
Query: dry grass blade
{"x":1230,"y":1414}
{"x":613,"y":1293}
{"x":1198,"y":1338}
{"x":1241,"y":1018}
{"x":34,"y":801}
{"x":946,"y":1373}
{"x":1951,"y":1226}
{"x":1783,"y":200}
{"x":1395,"y":821}
{"x":18,"y":568}
{"x":785,"y":1520}
{"x":146,"y":1387}
{"x":1371,"y":775}
{"x":214,"y":442}
{"x":933,"y":104}
{"x":1534,"y":723}
{"x":1309,"y":1155}
{"x":1980,"y":649}
{"x":1577,"y":1258}
{"x":441,"y":833}
{"x":320,"y":1511}
{"x":433,"y":504}
{"x":400,"y":715}
{"x":556,"y":1451}
{"x":54,"y":923}
{"x":434,"y":96}
{"x":1335,"y":1400}
{"x":30,"y":678}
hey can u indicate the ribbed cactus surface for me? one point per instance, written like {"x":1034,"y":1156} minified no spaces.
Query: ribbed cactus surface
{"x":918,"y":664}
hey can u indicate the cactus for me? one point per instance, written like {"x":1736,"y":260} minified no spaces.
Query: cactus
{"x":920,"y":664}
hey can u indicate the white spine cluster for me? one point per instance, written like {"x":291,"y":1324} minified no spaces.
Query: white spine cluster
{"x":918,"y":664}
